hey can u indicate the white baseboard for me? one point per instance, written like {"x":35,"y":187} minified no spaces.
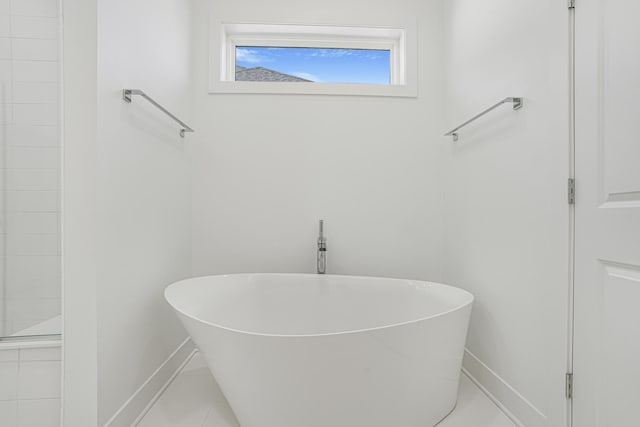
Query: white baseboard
{"x":515,"y":406}
{"x":139,"y":403}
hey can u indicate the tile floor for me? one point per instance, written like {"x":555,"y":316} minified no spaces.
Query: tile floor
{"x":193,"y":399}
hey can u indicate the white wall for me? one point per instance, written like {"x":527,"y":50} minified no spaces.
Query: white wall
{"x":507,"y":233}
{"x":79,"y":229}
{"x":29,"y":163}
{"x":143,"y":194}
{"x":266,"y":168}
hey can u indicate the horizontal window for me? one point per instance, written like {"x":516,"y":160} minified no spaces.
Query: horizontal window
{"x":312,"y":64}
{"x":312,"y":59}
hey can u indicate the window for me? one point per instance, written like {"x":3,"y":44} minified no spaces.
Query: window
{"x":313,"y":59}
{"x":312,"y":64}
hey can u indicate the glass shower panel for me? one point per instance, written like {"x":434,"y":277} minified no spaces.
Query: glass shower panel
{"x":30,"y":139}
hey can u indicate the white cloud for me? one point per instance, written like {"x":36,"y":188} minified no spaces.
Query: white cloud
{"x":250,"y":56}
{"x":331,"y":53}
{"x":306,"y":76}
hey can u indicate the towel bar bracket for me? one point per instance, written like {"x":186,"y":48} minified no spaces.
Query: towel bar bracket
{"x":517,"y":103}
{"x":126,"y":95}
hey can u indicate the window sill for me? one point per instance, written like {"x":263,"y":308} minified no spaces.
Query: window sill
{"x":301,"y":88}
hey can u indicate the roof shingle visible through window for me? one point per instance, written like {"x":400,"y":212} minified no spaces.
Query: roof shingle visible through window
{"x":261,"y":74}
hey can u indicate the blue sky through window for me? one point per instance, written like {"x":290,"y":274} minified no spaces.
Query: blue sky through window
{"x":320,"y":64}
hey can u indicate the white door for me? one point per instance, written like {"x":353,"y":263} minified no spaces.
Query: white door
{"x":607,"y":275}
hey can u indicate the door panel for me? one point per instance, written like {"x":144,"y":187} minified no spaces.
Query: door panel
{"x":619,"y":344}
{"x":619,"y":59}
{"x":607,"y":276}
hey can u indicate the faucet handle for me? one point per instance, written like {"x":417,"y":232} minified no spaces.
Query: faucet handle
{"x":322,"y":250}
{"x":321,"y":238}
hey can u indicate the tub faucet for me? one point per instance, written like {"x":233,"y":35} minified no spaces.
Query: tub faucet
{"x":322,"y":250}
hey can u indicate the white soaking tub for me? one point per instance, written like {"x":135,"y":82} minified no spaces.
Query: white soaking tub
{"x":302,"y":350}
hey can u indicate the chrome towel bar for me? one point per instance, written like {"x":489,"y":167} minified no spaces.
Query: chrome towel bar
{"x":517,"y":104}
{"x":128,"y":93}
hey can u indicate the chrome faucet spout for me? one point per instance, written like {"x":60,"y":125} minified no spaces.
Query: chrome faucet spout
{"x":322,"y":250}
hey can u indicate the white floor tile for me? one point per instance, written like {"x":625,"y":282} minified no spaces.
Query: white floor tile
{"x":194,"y":399}
{"x":187,"y":400}
{"x":220,"y":414}
{"x":474,"y":409}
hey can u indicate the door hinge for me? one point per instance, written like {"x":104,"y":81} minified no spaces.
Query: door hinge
{"x":572,"y":191}
{"x":571,"y":4}
{"x":568,"y":386}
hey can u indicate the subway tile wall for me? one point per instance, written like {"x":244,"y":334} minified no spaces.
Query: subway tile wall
{"x":30,"y":387}
{"x":29,"y":162}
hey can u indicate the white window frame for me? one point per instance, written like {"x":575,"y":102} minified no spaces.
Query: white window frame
{"x":400,"y":41}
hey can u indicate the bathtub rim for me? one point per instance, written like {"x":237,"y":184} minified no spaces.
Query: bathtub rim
{"x":469,"y":302}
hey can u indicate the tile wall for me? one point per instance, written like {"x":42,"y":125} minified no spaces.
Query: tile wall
{"x":30,"y":387}
{"x":29,"y":163}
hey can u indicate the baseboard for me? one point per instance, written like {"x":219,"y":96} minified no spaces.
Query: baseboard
{"x":132,"y":411}
{"x":515,"y":406}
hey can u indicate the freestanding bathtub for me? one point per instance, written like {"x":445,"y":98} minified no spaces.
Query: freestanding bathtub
{"x":302,"y":350}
